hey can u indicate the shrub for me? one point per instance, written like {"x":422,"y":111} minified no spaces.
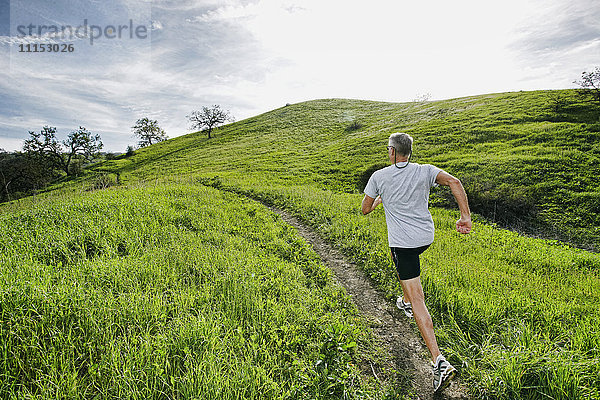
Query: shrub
{"x":104,"y":180}
{"x":129,"y":151}
{"x":354,"y":126}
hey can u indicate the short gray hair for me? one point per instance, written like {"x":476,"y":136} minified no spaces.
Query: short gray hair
{"x":402,"y":142}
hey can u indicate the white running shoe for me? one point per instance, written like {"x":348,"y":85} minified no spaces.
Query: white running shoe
{"x":443,"y":372}
{"x":406,"y":307}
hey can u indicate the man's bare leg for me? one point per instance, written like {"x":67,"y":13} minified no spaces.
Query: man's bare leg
{"x":413,"y":293}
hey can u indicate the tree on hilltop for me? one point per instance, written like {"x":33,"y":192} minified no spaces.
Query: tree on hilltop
{"x":590,"y":82}
{"x":44,"y":146}
{"x":148,"y":131}
{"x":81,"y":142}
{"x":209,"y":118}
{"x":46,"y":149}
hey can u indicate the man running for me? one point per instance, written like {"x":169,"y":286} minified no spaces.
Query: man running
{"x":403,"y":189}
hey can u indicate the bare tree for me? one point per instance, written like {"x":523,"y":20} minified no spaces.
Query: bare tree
{"x":209,"y":118}
{"x":81,"y":142}
{"x":9,"y":172}
{"x":46,"y":149}
{"x":422,"y":98}
{"x":44,"y":145}
{"x":148,"y":131}
{"x":590,"y":82}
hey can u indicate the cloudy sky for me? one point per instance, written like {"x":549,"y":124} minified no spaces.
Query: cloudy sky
{"x":164,"y":58}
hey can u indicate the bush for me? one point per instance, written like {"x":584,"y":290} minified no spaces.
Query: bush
{"x":130,"y":151}
{"x":76,"y":167}
{"x":354,"y":126}
{"x":111,"y":156}
{"x":104,"y":180}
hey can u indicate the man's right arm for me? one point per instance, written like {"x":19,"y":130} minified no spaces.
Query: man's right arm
{"x":464,"y":224}
{"x":371,"y":200}
{"x":369,"y":204}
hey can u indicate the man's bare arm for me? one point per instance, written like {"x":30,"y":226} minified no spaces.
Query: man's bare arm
{"x":369,"y":204}
{"x":464,"y":224}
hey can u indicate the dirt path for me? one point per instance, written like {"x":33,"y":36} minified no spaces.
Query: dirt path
{"x":390,"y":326}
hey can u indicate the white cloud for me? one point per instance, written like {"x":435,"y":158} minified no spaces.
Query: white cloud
{"x":11,"y":144}
{"x":557,"y":42}
{"x":252,"y":56}
{"x":156,"y":25}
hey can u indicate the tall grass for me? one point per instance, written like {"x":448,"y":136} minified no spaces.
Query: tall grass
{"x":169,"y":292}
{"x":520,"y":316}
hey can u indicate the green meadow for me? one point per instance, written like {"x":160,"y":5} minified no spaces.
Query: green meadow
{"x":173,"y":291}
{"x":176,"y":283}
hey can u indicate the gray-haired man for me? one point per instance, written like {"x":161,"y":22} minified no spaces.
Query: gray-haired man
{"x":403,"y":189}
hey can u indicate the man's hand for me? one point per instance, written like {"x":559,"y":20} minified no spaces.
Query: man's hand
{"x":464,"y":225}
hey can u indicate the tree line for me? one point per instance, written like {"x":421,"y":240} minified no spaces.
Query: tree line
{"x":44,"y":159}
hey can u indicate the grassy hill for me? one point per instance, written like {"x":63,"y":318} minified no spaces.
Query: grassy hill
{"x":519,"y":315}
{"x":164,"y":292}
{"x":524,"y":165}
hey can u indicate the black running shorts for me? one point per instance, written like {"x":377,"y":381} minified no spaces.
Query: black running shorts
{"x":407,"y":261}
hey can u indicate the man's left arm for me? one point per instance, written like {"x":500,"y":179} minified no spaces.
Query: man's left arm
{"x":464,"y":224}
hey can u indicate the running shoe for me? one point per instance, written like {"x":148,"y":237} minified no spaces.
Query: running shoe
{"x":406,"y":307}
{"x":443,"y":372}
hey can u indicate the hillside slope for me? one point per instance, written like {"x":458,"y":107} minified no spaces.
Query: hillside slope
{"x":524,"y":165}
{"x":519,"y":316}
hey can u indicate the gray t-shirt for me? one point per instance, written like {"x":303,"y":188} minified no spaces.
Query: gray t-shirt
{"x":405,"y":196}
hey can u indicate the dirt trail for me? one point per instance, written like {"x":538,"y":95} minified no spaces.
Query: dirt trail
{"x":391,"y":327}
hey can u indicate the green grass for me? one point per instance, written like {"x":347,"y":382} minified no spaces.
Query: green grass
{"x":523,"y":165}
{"x":518,"y":316}
{"x":169,"y":292}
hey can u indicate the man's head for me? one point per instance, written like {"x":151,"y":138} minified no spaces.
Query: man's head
{"x":402,"y":143}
